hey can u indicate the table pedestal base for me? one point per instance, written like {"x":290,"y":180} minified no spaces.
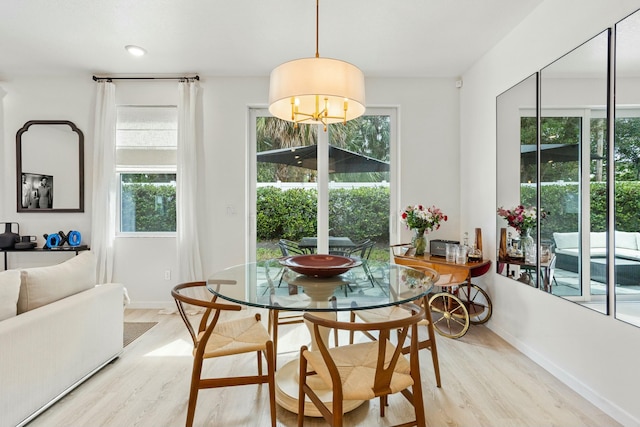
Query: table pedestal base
{"x":287,"y":392}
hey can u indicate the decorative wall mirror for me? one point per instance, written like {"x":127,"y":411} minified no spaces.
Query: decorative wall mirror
{"x":516,"y":110}
{"x":573,"y":181}
{"x":50,"y":167}
{"x":627,"y":173}
{"x":551,"y":158}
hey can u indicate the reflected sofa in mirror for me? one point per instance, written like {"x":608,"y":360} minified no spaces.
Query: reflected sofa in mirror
{"x":573,"y":174}
{"x":516,"y":112}
{"x":627,"y":173}
{"x":50,"y":167}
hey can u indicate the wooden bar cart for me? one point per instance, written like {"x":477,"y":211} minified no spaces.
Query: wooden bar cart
{"x":459,"y":303}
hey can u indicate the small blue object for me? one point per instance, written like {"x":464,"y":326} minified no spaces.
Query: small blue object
{"x":74,"y":238}
{"x":53,"y":240}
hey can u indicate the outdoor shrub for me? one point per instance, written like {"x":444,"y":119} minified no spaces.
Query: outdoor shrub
{"x":561,"y":201}
{"x":148,"y":207}
{"x":358,"y":213}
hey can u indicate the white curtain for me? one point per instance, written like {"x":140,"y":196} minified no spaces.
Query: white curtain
{"x":188,"y":202}
{"x":103,"y":207}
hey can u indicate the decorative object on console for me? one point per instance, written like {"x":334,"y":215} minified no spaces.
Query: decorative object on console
{"x":8,"y":239}
{"x":52,"y":240}
{"x":74,"y":238}
{"x":57,"y":240}
{"x":26,"y":242}
{"x":421,"y":221}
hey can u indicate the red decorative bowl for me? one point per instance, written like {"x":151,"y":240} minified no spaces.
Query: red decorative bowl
{"x":319,"y":265}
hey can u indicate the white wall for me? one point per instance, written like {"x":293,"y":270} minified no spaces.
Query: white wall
{"x":428,"y":133}
{"x":42,"y":99}
{"x":429,"y":151}
{"x":595,"y":354}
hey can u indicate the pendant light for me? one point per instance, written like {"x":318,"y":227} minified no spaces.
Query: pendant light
{"x":316,"y":90}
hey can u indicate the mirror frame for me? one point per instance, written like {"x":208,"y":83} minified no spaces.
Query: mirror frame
{"x":19,"y":171}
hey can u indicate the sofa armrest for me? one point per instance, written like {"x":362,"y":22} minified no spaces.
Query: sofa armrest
{"x":47,"y":350}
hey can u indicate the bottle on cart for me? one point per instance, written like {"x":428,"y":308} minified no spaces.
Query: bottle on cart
{"x":475,"y":255}
{"x":463,"y":250}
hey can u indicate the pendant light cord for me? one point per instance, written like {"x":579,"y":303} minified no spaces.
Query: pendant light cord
{"x":317,"y":25}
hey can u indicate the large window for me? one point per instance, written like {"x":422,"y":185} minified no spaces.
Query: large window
{"x":323,"y":184}
{"x":146,"y":142}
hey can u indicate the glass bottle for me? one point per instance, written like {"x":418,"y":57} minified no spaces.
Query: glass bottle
{"x":463,"y":250}
{"x":476,"y":253}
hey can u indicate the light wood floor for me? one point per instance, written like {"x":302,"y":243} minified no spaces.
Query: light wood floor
{"x":485,"y":382}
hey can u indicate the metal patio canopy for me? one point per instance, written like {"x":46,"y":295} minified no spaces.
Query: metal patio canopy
{"x":340,"y":160}
{"x":552,"y":153}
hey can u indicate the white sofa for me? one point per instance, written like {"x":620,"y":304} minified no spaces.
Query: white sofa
{"x":57,"y":328}
{"x":567,"y":247}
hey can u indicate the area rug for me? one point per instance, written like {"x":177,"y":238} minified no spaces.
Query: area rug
{"x":133,"y":330}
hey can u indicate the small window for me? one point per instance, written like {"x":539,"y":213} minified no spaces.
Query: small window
{"x":146,"y":150}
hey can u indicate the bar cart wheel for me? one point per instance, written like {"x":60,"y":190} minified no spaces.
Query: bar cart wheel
{"x":449,"y":314}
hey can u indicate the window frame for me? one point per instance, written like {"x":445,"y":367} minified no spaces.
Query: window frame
{"x":150,"y":169}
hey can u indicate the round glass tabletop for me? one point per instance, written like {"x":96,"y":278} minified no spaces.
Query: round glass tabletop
{"x":269,"y":284}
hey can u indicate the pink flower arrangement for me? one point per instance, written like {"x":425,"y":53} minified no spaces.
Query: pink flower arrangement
{"x":521,"y":218}
{"x":423,"y":219}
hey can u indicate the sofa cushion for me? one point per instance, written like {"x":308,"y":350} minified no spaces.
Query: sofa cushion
{"x":598,"y":239}
{"x":626,"y":240}
{"x":628,"y":254}
{"x":9,"y":291}
{"x":44,"y":285}
{"x":566,"y":240}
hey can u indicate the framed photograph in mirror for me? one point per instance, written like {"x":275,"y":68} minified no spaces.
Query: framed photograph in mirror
{"x":50,"y":152}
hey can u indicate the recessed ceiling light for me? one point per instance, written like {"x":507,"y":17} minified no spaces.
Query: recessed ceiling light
{"x":135,"y":50}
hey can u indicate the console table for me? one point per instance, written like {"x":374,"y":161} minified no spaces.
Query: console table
{"x":75,"y":249}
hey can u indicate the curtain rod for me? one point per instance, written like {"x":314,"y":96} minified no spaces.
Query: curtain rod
{"x":96,"y":78}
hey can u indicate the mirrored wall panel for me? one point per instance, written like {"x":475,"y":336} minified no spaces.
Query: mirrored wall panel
{"x":516,"y":181}
{"x":573,"y":171}
{"x":627,"y":170}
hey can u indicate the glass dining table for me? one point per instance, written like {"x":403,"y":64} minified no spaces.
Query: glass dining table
{"x":272,"y":285}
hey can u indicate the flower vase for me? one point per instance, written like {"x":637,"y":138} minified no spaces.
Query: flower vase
{"x":419,"y":241}
{"x":528,"y":247}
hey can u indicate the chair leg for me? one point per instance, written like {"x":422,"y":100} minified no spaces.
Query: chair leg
{"x":367,"y":270}
{"x":259,"y":362}
{"x":193,"y":392}
{"x":302,"y":380}
{"x":418,"y":404}
{"x":271,"y":367}
{"x":352,"y":318}
{"x":433,"y":347}
{"x":417,"y":399}
{"x":281,"y":276}
{"x":274,"y":315}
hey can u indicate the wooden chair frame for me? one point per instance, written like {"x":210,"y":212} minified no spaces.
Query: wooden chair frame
{"x":208,"y":322}
{"x":383,"y":374}
{"x":427,"y":322}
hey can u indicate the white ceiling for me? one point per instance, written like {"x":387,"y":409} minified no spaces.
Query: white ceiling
{"x":385,"y":38}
